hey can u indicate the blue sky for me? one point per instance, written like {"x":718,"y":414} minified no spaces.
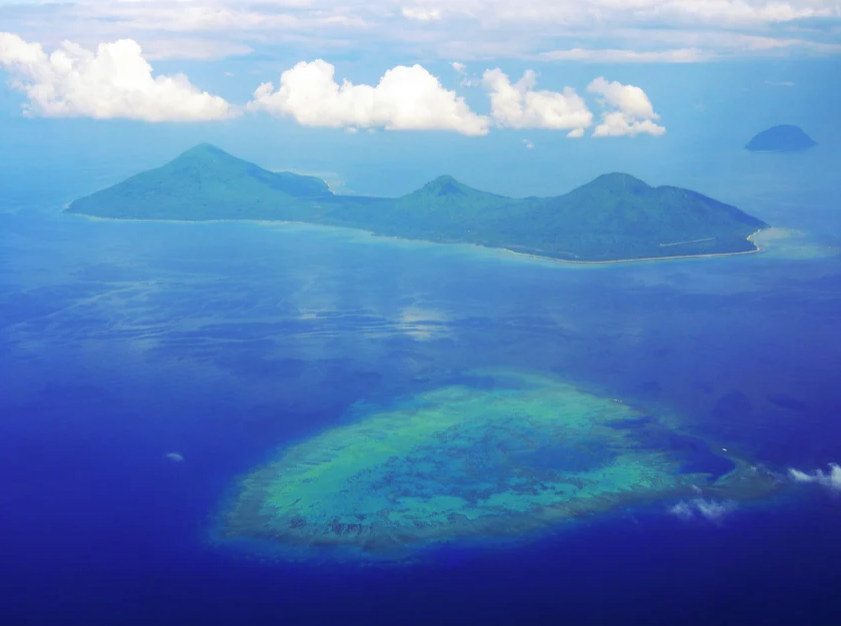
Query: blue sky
{"x":378,"y":95}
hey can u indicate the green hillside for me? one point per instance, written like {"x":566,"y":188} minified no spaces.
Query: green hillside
{"x":614,"y":217}
{"x":206,"y":183}
{"x":620,"y":212}
{"x":442,"y":210}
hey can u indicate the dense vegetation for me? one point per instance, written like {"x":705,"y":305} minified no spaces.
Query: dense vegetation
{"x":784,"y":138}
{"x":613,"y":217}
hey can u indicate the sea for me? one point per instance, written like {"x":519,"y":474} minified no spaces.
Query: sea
{"x":145,"y":367}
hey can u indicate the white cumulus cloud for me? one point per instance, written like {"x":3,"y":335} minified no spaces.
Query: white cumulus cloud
{"x":628,"y":110}
{"x":699,"y":508}
{"x":114,"y":81}
{"x":831,"y":480}
{"x":520,"y":105}
{"x":406,"y":98}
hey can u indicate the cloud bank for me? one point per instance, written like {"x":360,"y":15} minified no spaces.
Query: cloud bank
{"x":421,"y":14}
{"x":830,"y":480}
{"x":406,"y":98}
{"x":114,"y":81}
{"x":612,"y":55}
{"x":611,"y":30}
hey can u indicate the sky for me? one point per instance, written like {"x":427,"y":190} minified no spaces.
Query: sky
{"x":379,"y":95}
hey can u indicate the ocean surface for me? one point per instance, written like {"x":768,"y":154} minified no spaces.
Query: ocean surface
{"x":124,"y":342}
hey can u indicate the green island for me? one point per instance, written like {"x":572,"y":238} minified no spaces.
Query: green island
{"x":616,"y":217}
{"x":507,"y":455}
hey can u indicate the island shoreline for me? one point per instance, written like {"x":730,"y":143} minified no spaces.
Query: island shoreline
{"x":426,"y":241}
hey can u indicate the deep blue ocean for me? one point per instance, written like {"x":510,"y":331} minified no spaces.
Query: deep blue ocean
{"x":122,"y":342}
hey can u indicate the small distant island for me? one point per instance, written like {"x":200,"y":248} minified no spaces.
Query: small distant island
{"x":783,"y":138}
{"x":616,"y":217}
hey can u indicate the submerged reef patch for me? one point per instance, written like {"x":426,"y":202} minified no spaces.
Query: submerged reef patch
{"x":469,"y":462}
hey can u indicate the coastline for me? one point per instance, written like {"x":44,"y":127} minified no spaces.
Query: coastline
{"x":530,"y":255}
{"x":781,"y":150}
{"x":641,"y":259}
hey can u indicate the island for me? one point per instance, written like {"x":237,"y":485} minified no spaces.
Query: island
{"x":783,"y":138}
{"x":615,"y":217}
{"x":502,"y":456}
